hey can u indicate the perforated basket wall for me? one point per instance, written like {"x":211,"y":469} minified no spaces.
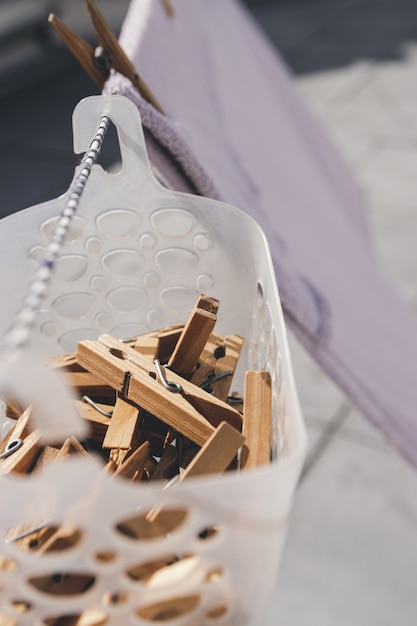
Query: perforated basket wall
{"x":137,"y":257}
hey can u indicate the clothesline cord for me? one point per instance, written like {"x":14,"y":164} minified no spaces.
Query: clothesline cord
{"x":18,"y":334}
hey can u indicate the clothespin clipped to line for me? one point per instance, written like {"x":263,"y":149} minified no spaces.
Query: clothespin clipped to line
{"x":98,"y":62}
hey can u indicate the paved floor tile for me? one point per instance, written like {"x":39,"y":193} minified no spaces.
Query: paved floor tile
{"x":361,"y":432}
{"x":391,"y":176}
{"x":394,"y":236}
{"x":370,"y":109}
{"x":328,"y":89}
{"x":320,"y":399}
{"x":351,"y":551}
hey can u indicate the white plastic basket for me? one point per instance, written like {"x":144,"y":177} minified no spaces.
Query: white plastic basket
{"x":137,"y":257}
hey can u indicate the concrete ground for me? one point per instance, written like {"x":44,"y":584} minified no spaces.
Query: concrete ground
{"x":351,"y":554}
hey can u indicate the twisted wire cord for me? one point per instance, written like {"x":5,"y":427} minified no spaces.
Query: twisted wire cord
{"x":19,"y":333}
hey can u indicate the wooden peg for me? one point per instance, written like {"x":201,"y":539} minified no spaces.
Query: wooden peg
{"x":118,"y":455}
{"x":219,"y":356}
{"x":87,"y":384}
{"x":19,"y":430}
{"x":257,"y":419}
{"x":81,"y":49}
{"x":168,"y":465}
{"x":97,"y":422}
{"x":159,"y":344}
{"x":123,"y":426}
{"x":193,"y":338}
{"x":214,"y":457}
{"x":30,"y":538}
{"x":167,"y":340}
{"x":24,"y":458}
{"x":147,"y":345}
{"x":209,"y":407}
{"x":208,"y":360}
{"x":70,"y":446}
{"x":134,"y":465}
{"x":47,"y":455}
{"x":116,"y":369}
{"x":118,"y":58}
{"x":66,"y":361}
{"x":233,"y":346}
{"x":216,"y":454}
{"x":13,"y":409}
{"x":63,"y":538}
{"x":110,"y":467}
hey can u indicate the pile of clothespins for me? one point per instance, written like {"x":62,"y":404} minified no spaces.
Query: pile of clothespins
{"x":158,"y":406}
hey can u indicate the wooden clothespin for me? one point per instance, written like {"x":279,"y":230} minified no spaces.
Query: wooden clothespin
{"x":87,"y":384}
{"x":216,"y":454}
{"x":214,"y":457}
{"x":168,"y":465}
{"x":117,"y":368}
{"x":159,"y":344}
{"x":97,"y":416}
{"x":257,"y":419}
{"x":108,"y":55}
{"x":193,"y":412}
{"x":25,"y":456}
{"x":122,"y":426}
{"x":19,"y":430}
{"x":133,"y":465}
{"x":217,"y":364}
{"x":194,"y":336}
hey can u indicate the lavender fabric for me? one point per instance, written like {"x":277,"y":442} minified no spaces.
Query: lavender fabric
{"x":236,"y":129}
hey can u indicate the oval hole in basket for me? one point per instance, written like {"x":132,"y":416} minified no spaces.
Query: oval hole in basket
{"x":20,"y":606}
{"x":74,"y":232}
{"x":129,"y":329}
{"x":176,"y":261}
{"x":63,"y":583}
{"x":71,"y":267}
{"x":164,"y":572}
{"x":87,"y":618}
{"x":208,"y":533}
{"x":217,"y":612}
{"x":115,"y":598}
{"x":7,"y":564}
{"x":213,"y":575}
{"x":122,"y":262}
{"x":44,"y":540}
{"x":118,"y":223}
{"x":74,"y":306}
{"x":127,"y":299}
{"x":152,"y":525}
{"x":171,"y":609}
{"x":260,"y":296}
{"x":105,"y":556}
{"x":68,"y":341}
{"x":178,"y":299}
{"x":173,"y":222}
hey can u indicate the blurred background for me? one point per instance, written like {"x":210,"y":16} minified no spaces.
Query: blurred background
{"x":351,"y":553}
